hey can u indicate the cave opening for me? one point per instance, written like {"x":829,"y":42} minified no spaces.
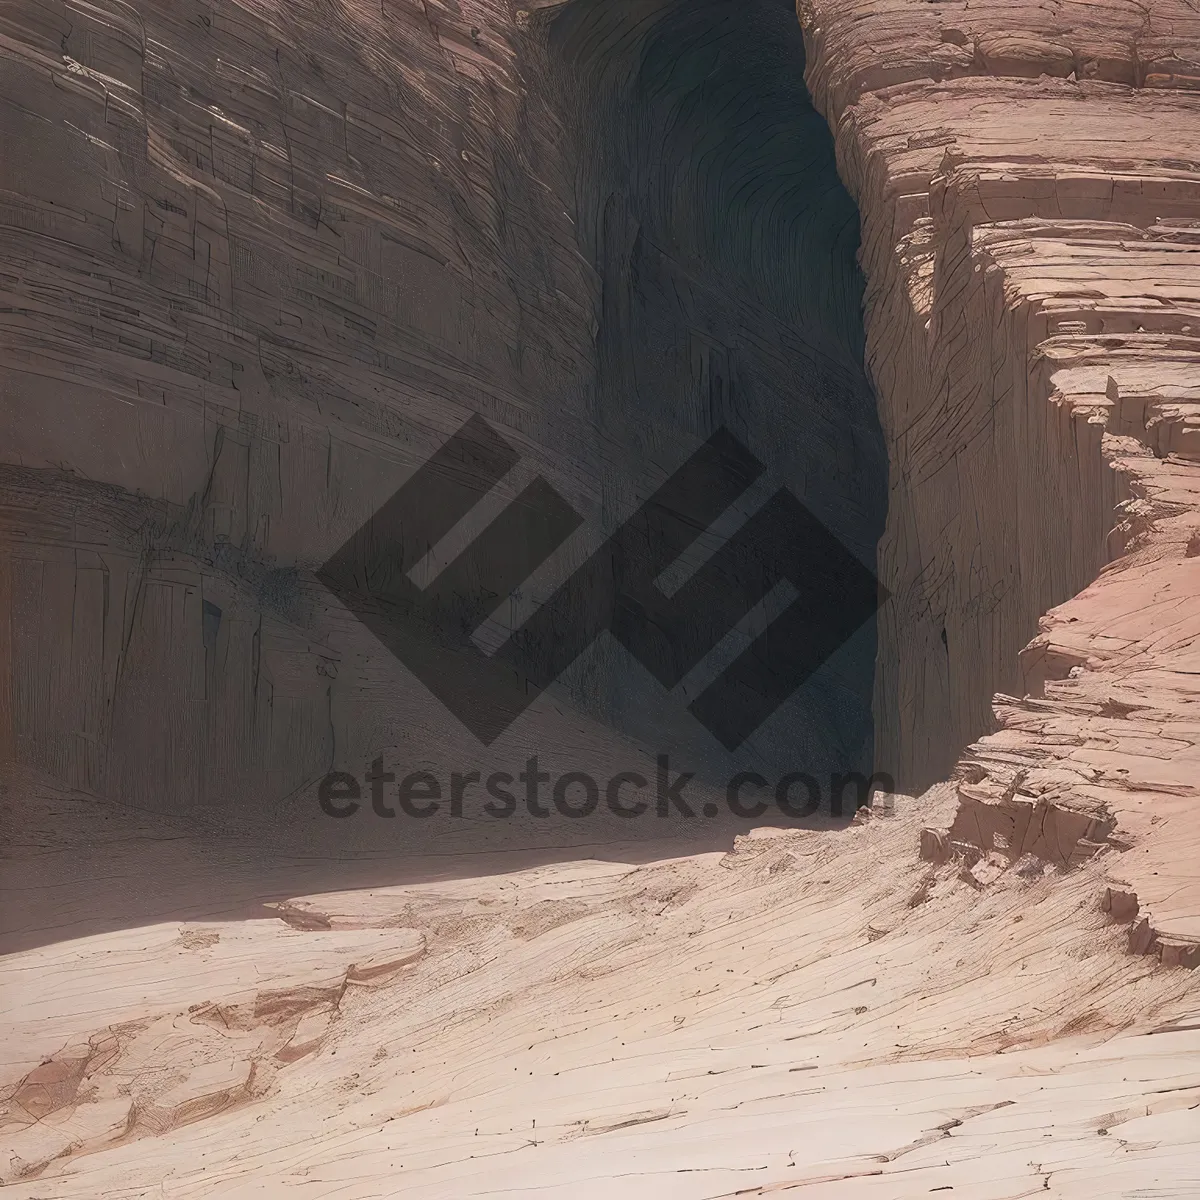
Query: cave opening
{"x":708,"y":202}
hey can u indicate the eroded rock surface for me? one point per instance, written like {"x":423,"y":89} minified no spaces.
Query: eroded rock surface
{"x":831,"y":1011}
{"x":1029,"y":180}
{"x":738,"y":1023}
{"x":262,"y":259}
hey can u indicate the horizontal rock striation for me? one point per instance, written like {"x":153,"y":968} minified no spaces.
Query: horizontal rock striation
{"x":251,"y":276}
{"x":1029,"y":181}
{"x":967,"y":1023}
{"x":262,"y":258}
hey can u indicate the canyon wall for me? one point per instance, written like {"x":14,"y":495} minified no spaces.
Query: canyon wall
{"x":1029,"y":179}
{"x":262,"y":259}
{"x":213,"y":331}
{"x":247,"y":269}
{"x":256,"y":276}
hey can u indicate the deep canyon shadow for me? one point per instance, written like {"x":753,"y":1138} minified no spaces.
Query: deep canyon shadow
{"x":718,"y":257}
{"x":707,"y":199}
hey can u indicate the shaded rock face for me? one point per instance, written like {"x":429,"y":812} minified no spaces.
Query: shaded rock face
{"x":262,"y":259}
{"x":708,"y":198}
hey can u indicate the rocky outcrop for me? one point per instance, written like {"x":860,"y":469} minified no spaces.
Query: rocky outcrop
{"x":229,"y":210}
{"x":1030,"y":187}
{"x":252,"y":281}
{"x":262,"y":259}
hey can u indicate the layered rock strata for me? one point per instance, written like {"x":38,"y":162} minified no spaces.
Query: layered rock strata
{"x":262,"y":259}
{"x":745,"y":1023}
{"x":1029,"y":181}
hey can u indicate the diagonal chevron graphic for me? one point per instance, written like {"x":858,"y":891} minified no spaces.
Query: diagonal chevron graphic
{"x":430,"y":629}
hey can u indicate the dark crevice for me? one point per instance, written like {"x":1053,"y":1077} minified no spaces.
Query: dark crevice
{"x":708,"y":201}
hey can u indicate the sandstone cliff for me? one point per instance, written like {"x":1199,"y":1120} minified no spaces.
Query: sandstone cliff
{"x":736,"y":1023}
{"x":1030,"y":187}
{"x":263,"y":259}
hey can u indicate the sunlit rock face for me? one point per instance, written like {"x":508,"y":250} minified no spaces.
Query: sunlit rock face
{"x":261,"y":259}
{"x":1032,"y":333}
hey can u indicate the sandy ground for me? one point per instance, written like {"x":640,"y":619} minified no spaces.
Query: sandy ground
{"x":813,"y":1009}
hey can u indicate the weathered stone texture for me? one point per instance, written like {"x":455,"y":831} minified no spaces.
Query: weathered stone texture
{"x":260,"y":259}
{"x":1030,"y":187}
